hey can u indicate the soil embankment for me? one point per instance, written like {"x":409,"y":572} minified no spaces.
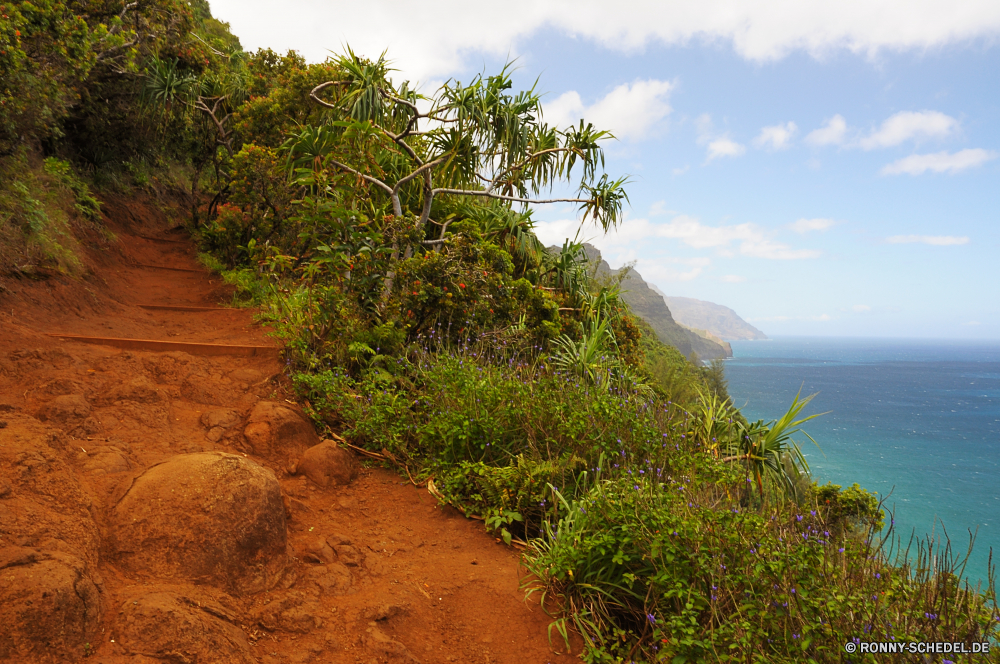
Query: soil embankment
{"x":148,"y":510}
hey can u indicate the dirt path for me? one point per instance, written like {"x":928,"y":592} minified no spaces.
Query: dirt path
{"x":98,"y":559}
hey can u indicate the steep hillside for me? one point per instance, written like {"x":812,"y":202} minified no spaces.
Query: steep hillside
{"x":649,"y":305}
{"x":705,"y":334}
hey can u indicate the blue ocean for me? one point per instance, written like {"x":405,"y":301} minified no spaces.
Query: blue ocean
{"x":917,"y":419}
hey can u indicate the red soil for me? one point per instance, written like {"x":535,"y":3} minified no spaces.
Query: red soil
{"x":375,"y":571}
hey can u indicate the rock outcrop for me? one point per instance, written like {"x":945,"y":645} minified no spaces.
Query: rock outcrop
{"x":209,"y":518}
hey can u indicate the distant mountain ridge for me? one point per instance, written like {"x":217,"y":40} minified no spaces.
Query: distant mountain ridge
{"x":719,"y":320}
{"x":651,"y":307}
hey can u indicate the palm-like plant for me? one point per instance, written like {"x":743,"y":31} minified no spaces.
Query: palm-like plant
{"x":714,"y":421}
{"x":307,"y":148}
{"x":592,"y":358}
{"x":566,"y":269}
{"x":768,"y":450}
{"x":477,"y":140}
{"x":166,"y":85}
{"x":216,"y":94}
{"x":510,"y":229}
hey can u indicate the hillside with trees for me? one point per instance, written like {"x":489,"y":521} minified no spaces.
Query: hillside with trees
{"x":386,"y":237}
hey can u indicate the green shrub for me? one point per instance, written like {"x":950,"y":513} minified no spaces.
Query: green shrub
{"x":83,"y":201}
{"x":657,"y":568}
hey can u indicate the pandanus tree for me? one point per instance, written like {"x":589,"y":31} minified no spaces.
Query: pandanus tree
{"x":768,"y":451}
{"x":215,"y":94}
{"x":476,"y":141}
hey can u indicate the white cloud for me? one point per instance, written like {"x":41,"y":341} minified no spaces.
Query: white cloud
{"x":775,"y":251}
{"x":659,"y":208}
{"x":658,"y":271}
{"x":832,"y":133}
{"x":732,"y":279}
{"x":822,"y":318}
{"x":630,"y":111}
{"x":935,"y":240}
{"x":910,"y":125}
{"x":972,"y":323}
{"x":724,"y":147}
{"x":776,"y":137}
{"x":719,"y":145}
{"x":939,"y":162}
{"x":750,"y":240}
{"x":807,"y":225}
{"x":693,"y":233}
{"x":861,"y":308}
{"x":681,"y":171}
{"x":426,"y":45}
{"x":664,"y":270}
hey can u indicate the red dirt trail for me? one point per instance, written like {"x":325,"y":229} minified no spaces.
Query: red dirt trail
{"x":374,"y":571}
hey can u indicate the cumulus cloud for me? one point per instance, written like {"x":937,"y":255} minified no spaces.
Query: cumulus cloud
{"x":724,"y":147}
{"x":719,"y":145}
{"x":808,"y":225}
{"x":746,"y":239}
{"x":673,"y":269}
{"x":834,"y":132}
{"x":659,"y":208}
{"x":934,"y":240}
{"x":910,"y":125}
{"x":861,"y":308}
{"x":425,"y":45}
{"x":732,"y":279}
{"x":630,"y":111}
{"x":764,"y":248}
{"x":776,"y":137}
{"x":894,"y":130}
{"x":939,"y":162}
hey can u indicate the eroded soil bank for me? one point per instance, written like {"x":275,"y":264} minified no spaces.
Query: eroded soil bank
{"x":148,"y":506}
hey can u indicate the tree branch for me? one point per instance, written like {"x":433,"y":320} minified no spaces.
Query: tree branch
{"x":527,"y":159}
{"x":430,"y":164}
{"x":368,"y":178}
{"x":737,"y":457}
{"x":323,"y":86}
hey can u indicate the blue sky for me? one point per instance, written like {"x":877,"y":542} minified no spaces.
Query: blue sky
{"x":822,"y":168}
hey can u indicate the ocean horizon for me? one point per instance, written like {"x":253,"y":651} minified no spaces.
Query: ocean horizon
{"x":915,"y":420}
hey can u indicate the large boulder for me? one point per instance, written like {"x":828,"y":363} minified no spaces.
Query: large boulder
{"x":327,"y":464}
{"x":50,"y":606}
{"x":65,"y":409}
{"x":182,"y":629}
{"x":273,"y":428}
{"x":208,"y":517}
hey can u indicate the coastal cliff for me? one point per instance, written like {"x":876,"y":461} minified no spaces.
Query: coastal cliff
{"x":715,"y":319}
{"x":651,"y":307}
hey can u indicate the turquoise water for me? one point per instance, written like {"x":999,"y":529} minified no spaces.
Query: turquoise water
{"x":917,"y":418}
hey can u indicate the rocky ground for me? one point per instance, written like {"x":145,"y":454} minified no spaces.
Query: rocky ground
{"x":164,"y":505}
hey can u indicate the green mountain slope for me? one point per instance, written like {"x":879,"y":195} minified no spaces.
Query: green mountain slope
{"x":651,"y":307}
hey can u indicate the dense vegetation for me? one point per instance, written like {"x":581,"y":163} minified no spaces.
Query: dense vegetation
{"x":387,"y":237}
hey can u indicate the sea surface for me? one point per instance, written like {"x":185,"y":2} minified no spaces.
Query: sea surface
{"x":919,"y":419}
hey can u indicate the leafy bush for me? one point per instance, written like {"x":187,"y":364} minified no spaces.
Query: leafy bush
{"x":662,"y":567}
{"x":83,"y":201}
